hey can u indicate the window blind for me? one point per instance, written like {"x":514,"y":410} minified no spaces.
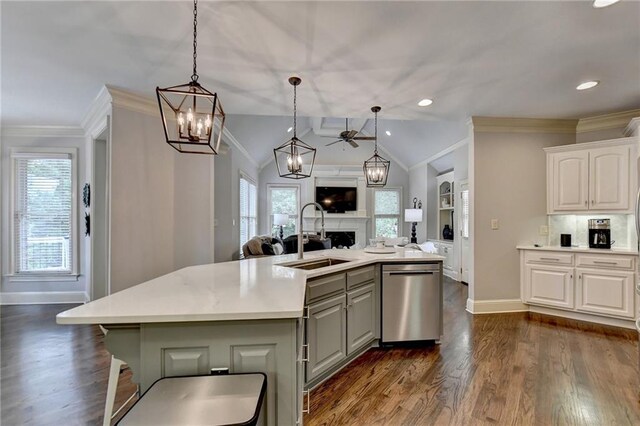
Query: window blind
{"x":248,"y":210}
{"x":43,"y":214}
{"x":464,"y":195}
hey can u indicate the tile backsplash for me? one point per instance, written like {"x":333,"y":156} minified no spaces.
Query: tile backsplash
{"x":623,"y":230}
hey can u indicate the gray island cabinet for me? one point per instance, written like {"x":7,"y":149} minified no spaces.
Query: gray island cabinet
{"x":256,"y":315}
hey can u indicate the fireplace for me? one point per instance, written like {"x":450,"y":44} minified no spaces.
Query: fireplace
{"x":341,"y":239}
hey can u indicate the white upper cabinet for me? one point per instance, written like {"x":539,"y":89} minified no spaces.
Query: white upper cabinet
{"x":594,"y":176}
{"x":609,"y":178}
{"x":570,"y":181}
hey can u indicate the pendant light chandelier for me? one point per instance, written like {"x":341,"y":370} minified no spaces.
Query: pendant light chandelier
{"x":192,"y":116}
{"x":376,"y":168}
{"x":294,"y":158}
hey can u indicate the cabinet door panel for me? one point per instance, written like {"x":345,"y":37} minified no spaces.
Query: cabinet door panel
{"x":609,"y":178}
{"x":569,"y":181}
{"x":605,"y":292}
{"x":326,"y":335}
{"x":361,"y":317}
{"x":549,"y":285}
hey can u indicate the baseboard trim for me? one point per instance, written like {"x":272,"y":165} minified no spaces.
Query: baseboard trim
{"x":42,"y":297}
{"x":616,"y":322}
{"x":498,"y":306}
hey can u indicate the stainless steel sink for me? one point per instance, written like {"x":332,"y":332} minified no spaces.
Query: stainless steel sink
{"x":315,"y":263}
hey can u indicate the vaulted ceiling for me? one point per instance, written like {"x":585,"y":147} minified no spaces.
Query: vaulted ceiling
{"x":472,"y":58}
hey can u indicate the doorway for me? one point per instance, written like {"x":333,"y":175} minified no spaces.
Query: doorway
{"x":463,"y":221}
{"x":100,"y":285}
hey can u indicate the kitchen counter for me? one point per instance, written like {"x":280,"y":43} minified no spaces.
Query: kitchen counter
{"x":613,"y":250}
{"x":250,"y":289}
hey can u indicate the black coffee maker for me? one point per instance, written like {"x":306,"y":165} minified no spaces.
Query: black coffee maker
{"x":600,"y":233}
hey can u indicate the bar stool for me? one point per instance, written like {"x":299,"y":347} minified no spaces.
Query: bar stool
{"x":234,"y":399}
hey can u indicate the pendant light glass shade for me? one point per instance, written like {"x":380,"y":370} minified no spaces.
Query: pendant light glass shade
{"x":294,"y":158}
{"x":376,"y":168}
{"x":192,"y":116}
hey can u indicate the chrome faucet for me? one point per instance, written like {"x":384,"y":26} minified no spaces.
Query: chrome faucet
{"x":301,"y":231}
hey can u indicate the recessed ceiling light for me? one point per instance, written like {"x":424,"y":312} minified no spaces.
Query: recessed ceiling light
{"x":289,"y":129}
{"x":425,"y":102}
{"x":587,"y":85}
{"x":603,"y":3}
{"x":388,"y":133}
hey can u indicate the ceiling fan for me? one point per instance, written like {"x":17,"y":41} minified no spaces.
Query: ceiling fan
{"x":349,"y":136}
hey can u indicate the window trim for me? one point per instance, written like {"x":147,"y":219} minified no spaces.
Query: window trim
{"x":271,"y":186}
{"x":254,"y":182}
{"x":400,"y":214}
{"x":44,"y":152}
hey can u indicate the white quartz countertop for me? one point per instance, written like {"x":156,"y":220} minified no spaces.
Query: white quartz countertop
{"x":612,"y":250}
{"x":256,"y":288}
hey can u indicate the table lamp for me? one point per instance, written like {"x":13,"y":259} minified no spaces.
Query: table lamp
{"x":414,"y":216}
{"x":280,"y":219}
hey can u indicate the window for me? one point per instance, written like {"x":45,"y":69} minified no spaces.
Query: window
{"x":464,"y":216}
{"x":283,"y":200}
{"x":248,"y":210}
{"x":386,"y":212}
{"x":43,"y":213}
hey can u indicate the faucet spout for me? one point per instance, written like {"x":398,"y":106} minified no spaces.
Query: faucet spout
{"x":301,"y":231}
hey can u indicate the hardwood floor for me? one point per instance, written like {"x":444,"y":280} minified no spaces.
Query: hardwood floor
{"x":53,"y":374}
{"x":490,"y":369}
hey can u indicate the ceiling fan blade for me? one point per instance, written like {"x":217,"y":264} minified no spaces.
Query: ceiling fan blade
{"x":364,"y":138}
{"x":351,"y":134}
{"x":331,"y":143}
{"x":352,"y":143}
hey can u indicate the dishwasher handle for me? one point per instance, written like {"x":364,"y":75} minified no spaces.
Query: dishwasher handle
{"x":409,"y":273}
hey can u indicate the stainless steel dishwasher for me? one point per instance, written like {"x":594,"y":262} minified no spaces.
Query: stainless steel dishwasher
{"x":411,"y":302}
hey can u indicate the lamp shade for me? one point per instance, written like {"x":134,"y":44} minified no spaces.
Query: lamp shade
{"x":413,"y":215}
{"x":280,"y":219}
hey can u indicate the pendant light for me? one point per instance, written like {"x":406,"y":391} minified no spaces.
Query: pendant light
{"x":192,"y":116}
{"x":376,"y":168}
{"x":294,"y":158}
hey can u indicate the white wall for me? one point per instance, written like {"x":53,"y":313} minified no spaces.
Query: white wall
{"x":227,"y":205}
{"x":67,"y":291}
{"x":508,"y":184}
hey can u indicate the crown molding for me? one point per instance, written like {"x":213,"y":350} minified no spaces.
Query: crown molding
{"x":633,"y":128}
{"x":606,"y":121}
{"x":589,"y":145}
{"x":43,"y":131}
{"x":95,"y":118}
{"x":133,"y":101}
{"x":523,"y":125}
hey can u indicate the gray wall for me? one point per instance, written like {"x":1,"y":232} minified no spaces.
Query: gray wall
{"x":509,"y":184}
{"x":334,"y":155}
{"x":227,"y":201}
{"x":160,"y":202}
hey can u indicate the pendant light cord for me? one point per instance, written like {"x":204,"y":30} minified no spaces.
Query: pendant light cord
{"x":194,"y":76}
{"x":295,"y":109}
{"x":375,"y":150}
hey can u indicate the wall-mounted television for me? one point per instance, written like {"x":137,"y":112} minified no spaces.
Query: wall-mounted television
{"x":337,"y":199}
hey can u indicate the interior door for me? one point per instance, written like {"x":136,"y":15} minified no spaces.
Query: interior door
{"x":463,"y":226}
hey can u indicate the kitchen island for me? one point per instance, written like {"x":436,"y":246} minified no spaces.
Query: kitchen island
{"x":246,"y":316}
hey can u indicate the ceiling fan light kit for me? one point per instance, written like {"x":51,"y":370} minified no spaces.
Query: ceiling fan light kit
{"x":376,"y":168}
{"x":295,"y":158}
{"x":192,"y":116}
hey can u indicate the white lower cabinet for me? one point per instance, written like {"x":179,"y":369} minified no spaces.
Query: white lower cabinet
{"x":606,"y":292}
{"x":549,"y":285}
{"x":598,"y":283}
